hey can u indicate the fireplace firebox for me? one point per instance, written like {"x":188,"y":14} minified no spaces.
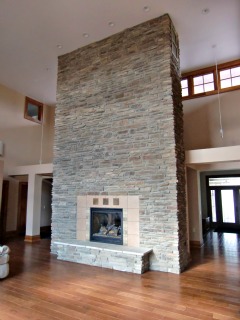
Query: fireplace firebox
{"x":106,"y":225}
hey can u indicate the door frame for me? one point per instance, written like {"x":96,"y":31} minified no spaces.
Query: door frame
{"x":236,"y":197}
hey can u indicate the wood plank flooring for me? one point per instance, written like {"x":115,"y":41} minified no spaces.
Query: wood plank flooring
{"x":40,"y":287}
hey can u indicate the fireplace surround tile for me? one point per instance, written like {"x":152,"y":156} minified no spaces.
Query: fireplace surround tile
{"x":82,"y":213}
{"x":133,"y":202}
{"x":130,"y":217}
{"x":81,"y":236}
{"x":133,"y":215}
{"x":133,"y":241}
{"x":133,"y":227}
{"x":81,"y":225}
{"x":82,"y":202}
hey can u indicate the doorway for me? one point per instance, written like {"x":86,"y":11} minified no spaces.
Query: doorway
{"x":224,"y":202}
{"x":3,"y":213}
{"x":22,"y":208}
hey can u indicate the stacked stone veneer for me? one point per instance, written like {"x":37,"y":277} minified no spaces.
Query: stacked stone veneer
{"x":109,"y":256}
{"x":119,"y":131}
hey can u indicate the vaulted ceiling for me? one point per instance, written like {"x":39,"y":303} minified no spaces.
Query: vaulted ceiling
{"x":33,"y":33}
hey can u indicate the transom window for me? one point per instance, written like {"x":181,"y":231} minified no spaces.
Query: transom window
{"x":212,"y":80}
{"x":184,"y":84}
{"x":203,"y":83}
{"x":230,"y":77}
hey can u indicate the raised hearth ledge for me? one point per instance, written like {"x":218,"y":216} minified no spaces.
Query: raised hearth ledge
{"x":121,"y":258}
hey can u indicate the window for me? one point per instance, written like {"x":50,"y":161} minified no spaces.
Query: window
{"x":203,"y":83}
{"x":230,"y":77}
{"x":33,"y":110}
{"x":211,"y":80}
{"x":184,"y":84}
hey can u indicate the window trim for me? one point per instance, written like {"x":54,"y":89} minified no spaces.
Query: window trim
{"x":216,"y":79}
{"x":40,"y":110}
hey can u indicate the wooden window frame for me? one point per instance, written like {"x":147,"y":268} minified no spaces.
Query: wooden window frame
{"x":216,"y":77}
{"x":39,"y":105}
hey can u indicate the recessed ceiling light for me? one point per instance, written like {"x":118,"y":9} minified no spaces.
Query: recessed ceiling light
{"x":59,"y":46}
{"x":85,"y":35}
{"x":146,"y":8}
{"x":111,"y":24}
{"x":205,"y":11}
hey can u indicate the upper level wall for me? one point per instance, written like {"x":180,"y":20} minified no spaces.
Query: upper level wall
{"x":202,"y":121}
{"x":21,"y":137}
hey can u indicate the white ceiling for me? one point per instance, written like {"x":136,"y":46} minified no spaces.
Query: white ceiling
{"x":31,"y":30}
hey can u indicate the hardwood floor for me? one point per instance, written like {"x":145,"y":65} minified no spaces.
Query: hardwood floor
{"x":40,"y":287}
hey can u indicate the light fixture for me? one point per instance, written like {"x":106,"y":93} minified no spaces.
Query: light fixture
{"x":205,"y":11}
{"x":111,"y":24}
{"x":146,"y":8}
{"x":59,"y":46}
{"x":85,"y":35}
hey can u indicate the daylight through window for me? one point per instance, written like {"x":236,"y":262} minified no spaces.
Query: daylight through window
{"x":211,"y":80}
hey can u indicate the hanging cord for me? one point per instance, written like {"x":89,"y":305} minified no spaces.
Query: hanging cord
{"x":218,"y":94}
{"x":41,"y":145}
{"x":219,"y":105}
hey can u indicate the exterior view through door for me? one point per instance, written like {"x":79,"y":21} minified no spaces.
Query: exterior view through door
{"x":224,"y":203}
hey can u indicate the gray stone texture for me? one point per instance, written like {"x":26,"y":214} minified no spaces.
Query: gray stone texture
{"x":119,"y":130}
{"x":121,"y":258}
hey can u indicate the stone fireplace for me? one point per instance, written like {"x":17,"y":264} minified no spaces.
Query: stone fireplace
{"x":119,"y":145}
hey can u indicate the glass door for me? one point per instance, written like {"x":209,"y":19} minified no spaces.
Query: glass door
{"x":228,"y":207}
{"x":224,"y":202}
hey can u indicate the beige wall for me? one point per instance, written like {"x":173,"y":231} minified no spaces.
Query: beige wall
{"x":201,"y":121}
{"x":22,"y":142}
{"x":22,"y":138}
{"x":194,"y":206}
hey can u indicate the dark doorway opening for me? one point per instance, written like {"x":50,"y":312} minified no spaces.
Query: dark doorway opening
{"x":3,"y":213}
{"x":224,"y":203}
{"x":22,"y":208}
